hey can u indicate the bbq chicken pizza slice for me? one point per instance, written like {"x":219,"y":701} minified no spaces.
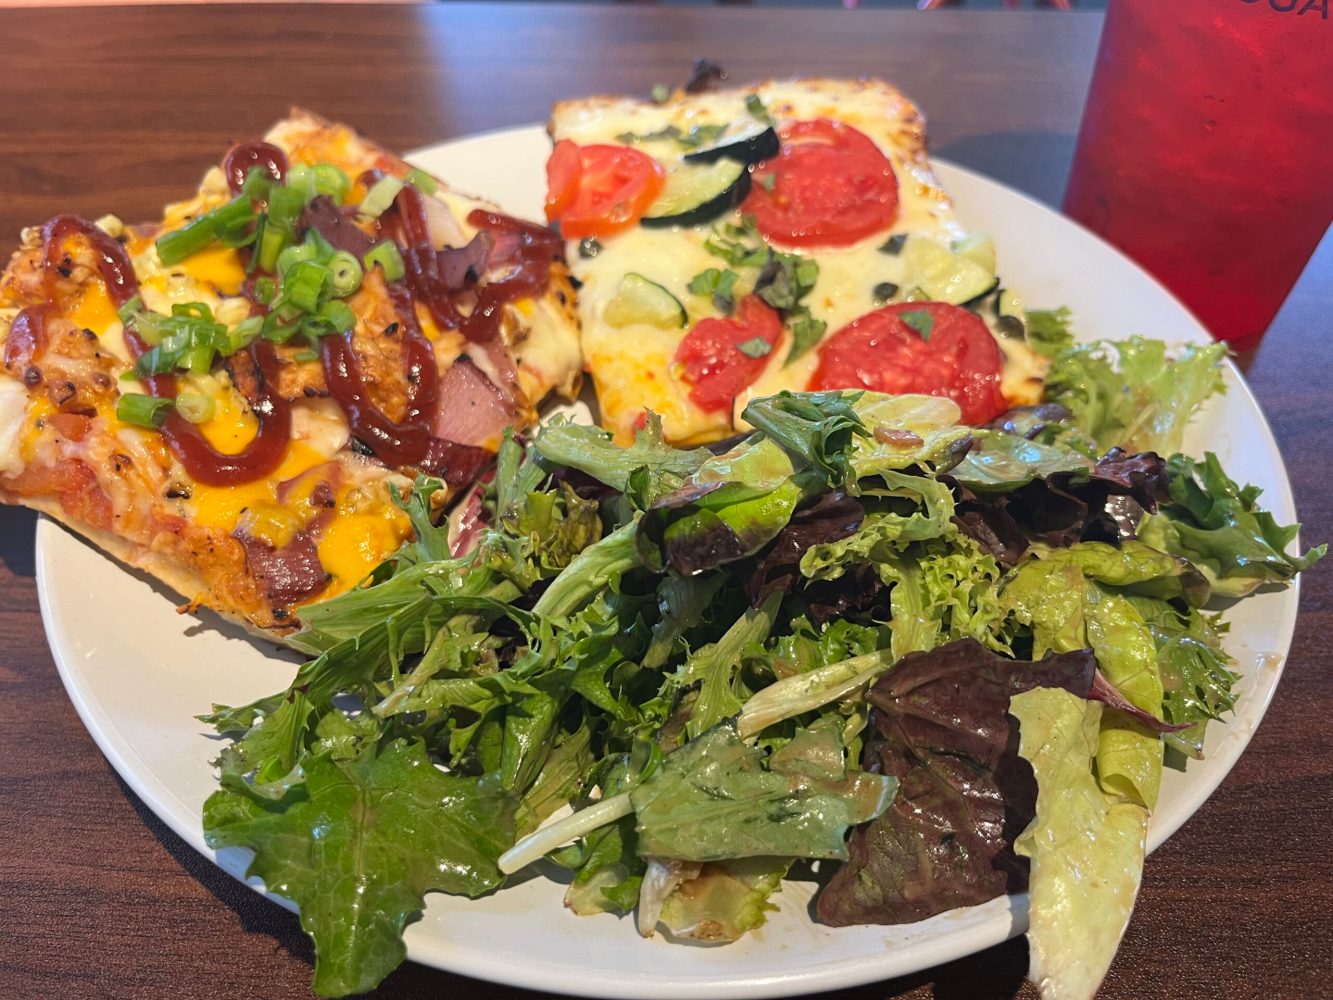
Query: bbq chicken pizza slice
{"x":229,"y":399}
{"x":789,"y":235}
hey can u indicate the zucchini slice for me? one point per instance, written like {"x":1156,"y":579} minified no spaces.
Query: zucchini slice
{"x":639,"y":300}
{"x":753,"y":144}
{"x":698,"y":193}
{"x":943,"y":275}
{"x":979,"y":249}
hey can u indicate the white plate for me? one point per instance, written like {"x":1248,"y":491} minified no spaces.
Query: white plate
{"x":138,"y":672}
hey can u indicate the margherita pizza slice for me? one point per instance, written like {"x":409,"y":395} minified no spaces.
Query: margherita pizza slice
{"x":789,"y":235}
{"x":226,"y":399}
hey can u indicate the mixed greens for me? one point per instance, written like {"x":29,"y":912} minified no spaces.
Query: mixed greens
{"x":949,"y":658}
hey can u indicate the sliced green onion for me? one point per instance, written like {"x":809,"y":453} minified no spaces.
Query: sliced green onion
{"x":333,"y":317}
{"x":271,"y":244}
{"x":243,"y":332}
{"x":233,"y":222}
{"x":388,"y":257}
{"x":303,"y":284}
{"x":302,"y":178}
{"x":380,"y":197}
{"x":338,"y":315}
{"x":323,"y":248}
{"x":257,"y":239}
{"x":295,"y":253}
{"x":142,"y":411}
{"x":422,"y":181}
{"x":229,"y":223}
{"x":128,"y":311}
{"x":265,"y":289}
{"x":346,"y":274}
{"x":199,"y":359}
{"x":331,"y":181}
{"x":258,"y":183}
{"x":284,"y":208}
{"x":278,"y":330}
{"x":194,"y":406}
{"x":189,"y":338}
{"x":306,"y":355}
{"x":186,"y":241}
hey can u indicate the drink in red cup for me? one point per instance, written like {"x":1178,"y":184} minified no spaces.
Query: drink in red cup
{"x":1206,"y":150}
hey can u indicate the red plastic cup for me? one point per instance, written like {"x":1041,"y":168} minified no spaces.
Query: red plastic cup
{"x":1206,"y":150}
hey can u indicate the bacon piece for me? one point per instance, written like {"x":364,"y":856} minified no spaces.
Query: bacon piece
{"x":286,"y":575}
{"x":471,"y":409}
{"x":335,"y":225}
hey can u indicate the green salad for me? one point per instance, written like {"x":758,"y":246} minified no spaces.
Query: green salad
{"x":946,"y":662}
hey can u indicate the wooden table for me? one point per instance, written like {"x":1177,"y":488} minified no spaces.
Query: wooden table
{"x":120,"y":110}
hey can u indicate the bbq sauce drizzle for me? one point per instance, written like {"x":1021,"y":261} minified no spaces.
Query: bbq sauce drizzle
{"x":526,"y":250}
{"x":204,"y":463}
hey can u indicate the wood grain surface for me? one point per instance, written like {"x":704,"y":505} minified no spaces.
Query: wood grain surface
{"x":120,"y":110}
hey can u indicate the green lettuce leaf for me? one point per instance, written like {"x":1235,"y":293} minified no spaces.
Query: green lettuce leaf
{"x":591,"y":450}
{"x":726,"y":900}
{"x":1004,"y":462}
{"x":1059,"y":598}
{"x":718,"y":798}
{"x":1141,"y":400}
{"x":820,"y":427}
{"x":1086,"y":847}
{"x":1048,"y":330}
{"x":1197,"y":684}
{"x":906,"y":432}
{"x":610,"y":873}
{"x":715,"y":667}
{"x":1218,"y":526}
{"x":358,"y":844}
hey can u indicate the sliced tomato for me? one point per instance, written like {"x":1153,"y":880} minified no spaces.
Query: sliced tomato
{"x":830,"y":186}
{"x":599,"y":190}
{"x":721,"y":357}
{"x":928,"y":347}
{"x":563,"y":170}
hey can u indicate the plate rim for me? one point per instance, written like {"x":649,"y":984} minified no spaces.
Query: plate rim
{"x":161,"y":799}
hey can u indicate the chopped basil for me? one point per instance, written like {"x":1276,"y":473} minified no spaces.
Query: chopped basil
{"x":784,"y":279}
{"x":806,"y":332}
{"x":920,"y":321}
{"x":755,"y":347}
{"x":589,"y":248}
{"x":884,"y":291}
{"x":718,"y":284}
{"x":668,"y":132}
{"x":699,"y":135}
{"x":702,"y":135}
{"x":756,"y":108}
{"x":894,"y":245}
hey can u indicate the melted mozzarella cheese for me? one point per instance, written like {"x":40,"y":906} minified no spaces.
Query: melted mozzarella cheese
{"x":13,"y":407}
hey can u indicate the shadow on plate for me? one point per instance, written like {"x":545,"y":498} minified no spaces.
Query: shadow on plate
{"x":203,"y":619}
